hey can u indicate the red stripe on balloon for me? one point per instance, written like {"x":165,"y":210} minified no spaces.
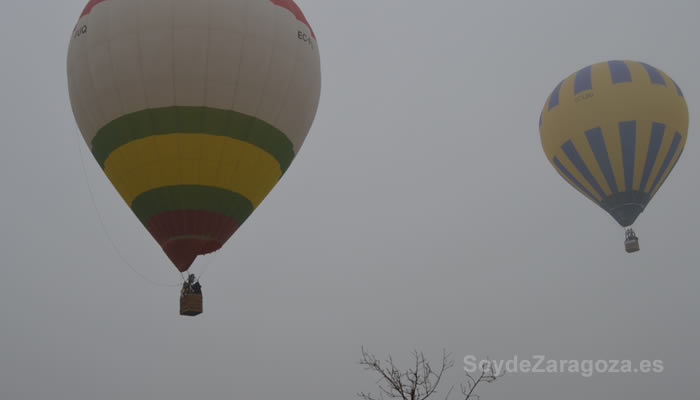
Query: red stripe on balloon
{"x":294,"y":9}
{"x":183,"y":251}
{"x":89,"y":6}
{"x":185,"y":234}
{"x":179,"y":223}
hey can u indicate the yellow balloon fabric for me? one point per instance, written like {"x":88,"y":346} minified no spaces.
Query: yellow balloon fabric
{"x":614,"y":131}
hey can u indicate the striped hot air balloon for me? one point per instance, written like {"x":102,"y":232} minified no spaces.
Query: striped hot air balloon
{"x":614,"y":131}
{"x":193,"y":109}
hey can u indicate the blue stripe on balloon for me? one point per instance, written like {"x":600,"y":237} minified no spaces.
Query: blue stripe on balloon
{"x":540,"y":119}
{"x":597,"y":143}
{"x":654,"y":75}
{"x":554,"y":97}
{"x":680,"y":92}
{"x":577,"y":161}
{"x":657,"y":135}
{"x":619,"y":71}
{"x":583,"y":80}
{"x":669,"y":156}
{"x":628,"y":136}
{"x":568,"y":175}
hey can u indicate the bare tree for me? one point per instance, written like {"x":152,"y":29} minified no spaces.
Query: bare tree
{"x":488,"y":374}
{"x":421,"y":380}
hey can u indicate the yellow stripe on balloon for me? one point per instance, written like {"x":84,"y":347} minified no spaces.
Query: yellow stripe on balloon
{"x":192,"y":159}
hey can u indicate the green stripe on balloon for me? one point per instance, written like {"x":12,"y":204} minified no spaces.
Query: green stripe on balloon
{"x":178,"y":119}
{"x":192,"y":197}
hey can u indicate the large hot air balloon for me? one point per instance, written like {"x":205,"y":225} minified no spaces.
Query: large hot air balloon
{"x":614,"y":131}
{"x":193,"y":109}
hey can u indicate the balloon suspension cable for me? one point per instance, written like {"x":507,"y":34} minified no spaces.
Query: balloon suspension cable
{"x":104,"y":228}
{"x":205,"y":268}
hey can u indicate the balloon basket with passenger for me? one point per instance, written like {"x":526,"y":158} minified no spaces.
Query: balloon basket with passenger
{"x":191,"y":301}
{"x":631,"y":241}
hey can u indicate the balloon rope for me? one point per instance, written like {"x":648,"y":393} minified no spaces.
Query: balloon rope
{"x":104,"y":228}
{"x":209,"y":262}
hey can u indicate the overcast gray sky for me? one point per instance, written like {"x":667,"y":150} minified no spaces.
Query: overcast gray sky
{"x":421,"y":213}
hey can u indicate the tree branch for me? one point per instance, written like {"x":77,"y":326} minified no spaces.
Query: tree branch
{"x":417,"y":383}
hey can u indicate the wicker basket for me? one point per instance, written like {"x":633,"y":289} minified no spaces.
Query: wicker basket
{"x":632,"y":245}
{"x":191,"y":304}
